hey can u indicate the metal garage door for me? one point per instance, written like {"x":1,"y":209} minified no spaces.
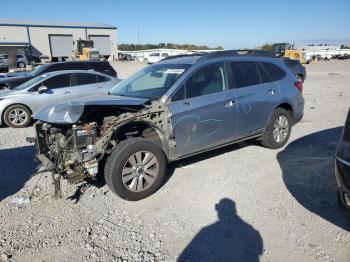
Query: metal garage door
{"x":102,"y":44}
{"x":61,"y":45}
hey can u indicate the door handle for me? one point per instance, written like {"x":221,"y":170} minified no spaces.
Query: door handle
{"x":67,"y":92}
{"x":271,"y":92}
{"x":229,"y":103}
{"x":100,"y":87}
{"x":186,"y":103}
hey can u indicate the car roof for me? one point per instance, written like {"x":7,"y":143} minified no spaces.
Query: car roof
{"x":72,"y":71}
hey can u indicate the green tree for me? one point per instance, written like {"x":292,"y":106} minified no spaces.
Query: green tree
{"x":267,"y":47}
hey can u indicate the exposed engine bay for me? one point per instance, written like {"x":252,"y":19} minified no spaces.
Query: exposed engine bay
{"x":74,"y":151}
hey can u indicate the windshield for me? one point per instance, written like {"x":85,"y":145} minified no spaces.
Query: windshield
{"x":30,"y":82}
{"x":38,"y":70}
{"x":151,"y":82}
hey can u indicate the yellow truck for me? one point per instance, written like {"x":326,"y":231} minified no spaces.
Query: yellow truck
{"x":85,"y":51}
{"x":288,"y":51}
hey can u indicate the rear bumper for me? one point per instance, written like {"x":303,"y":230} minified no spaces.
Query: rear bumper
{"x":342,"y":175}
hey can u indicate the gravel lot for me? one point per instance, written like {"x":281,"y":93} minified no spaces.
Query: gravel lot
{"x":240,"y":203}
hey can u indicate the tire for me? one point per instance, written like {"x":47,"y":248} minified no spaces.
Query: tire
{"x":119,"y":162}
{"x":146,"y":61}
{"x":21,"y":64}
{"x":20,"y":112}
{"x":271,"y":141}
{"x":343,"y":208}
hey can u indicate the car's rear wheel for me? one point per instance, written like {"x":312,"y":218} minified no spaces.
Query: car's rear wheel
{"x":135,"y":169}
{"x":21,"y":64}
{"x":278,"y":129}
{"x":17,"y":116}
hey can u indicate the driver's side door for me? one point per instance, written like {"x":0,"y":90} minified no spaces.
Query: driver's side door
{"x":58,"y":91}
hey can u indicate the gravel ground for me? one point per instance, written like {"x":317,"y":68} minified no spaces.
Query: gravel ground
{"x":240,"y":203}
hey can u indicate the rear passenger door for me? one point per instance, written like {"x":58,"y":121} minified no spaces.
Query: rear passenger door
{"x":85,"y":84}
{"x":203,"y":111}
{"x":257,"y":96}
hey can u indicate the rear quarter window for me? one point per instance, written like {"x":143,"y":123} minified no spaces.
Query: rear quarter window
{"x":245,"y":73}
{"x":276,"y":73}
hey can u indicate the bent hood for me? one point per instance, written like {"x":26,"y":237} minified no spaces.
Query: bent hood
{"x":70,"y":112}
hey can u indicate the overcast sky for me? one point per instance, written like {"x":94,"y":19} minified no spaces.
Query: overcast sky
{"x":232,"y":24}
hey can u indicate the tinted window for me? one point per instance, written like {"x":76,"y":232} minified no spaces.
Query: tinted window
{"x":290,"y":62}
{"x":275,"y":72}
{"x":58,"y":81}
{"x":179,"y":94}
{"x":102,"y":78}
{"x":165,"y":54}
{"x":245,"y":73}
{"x":83,"y":79}
{"x":208,"y":80}
{"x":264,"y":75}
{"x":103,"y":67}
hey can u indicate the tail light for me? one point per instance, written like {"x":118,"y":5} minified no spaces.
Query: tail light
{"x":299,"y":85}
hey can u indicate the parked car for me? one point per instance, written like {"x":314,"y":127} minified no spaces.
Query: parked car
{"x":342,"y":168}
{"x":14,"y":79}
{"x":126,"y":57}
{"x":22,"y":60}
{"x":171,"y":110}
{"x":155,"y":57}
{"x":297,"y":68}
{"x":18,"y":104}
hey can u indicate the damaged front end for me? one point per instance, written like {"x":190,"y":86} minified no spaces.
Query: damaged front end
{"x":75,"y":151}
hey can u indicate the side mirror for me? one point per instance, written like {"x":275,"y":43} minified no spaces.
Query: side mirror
{"x":42,"y":89}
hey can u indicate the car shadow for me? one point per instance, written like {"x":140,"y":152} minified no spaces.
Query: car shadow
{"x":16,"y":167}
{"x":228,"y":239}
{"x":308,"y":173}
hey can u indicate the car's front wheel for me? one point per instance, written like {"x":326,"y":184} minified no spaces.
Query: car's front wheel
{"x":135,"y":169}
{"x":278,"y":129}
{"x":17,"y":116}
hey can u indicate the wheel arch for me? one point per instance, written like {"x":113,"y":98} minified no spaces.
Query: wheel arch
{"x":144,"y":129}
{"x":14,"y":104}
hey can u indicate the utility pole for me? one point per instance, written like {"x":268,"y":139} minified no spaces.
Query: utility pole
{"x":138,"y":35}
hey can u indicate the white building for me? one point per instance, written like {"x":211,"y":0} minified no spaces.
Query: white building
{"x":55,"y":39}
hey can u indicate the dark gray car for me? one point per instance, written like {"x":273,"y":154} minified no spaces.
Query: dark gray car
{"x":342,"y":168}
{"x":171,"y":110}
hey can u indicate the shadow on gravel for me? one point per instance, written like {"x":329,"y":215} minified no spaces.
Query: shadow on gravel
{"x":16,"y":167}
{"x":229,"y":239}
{"x":308,"y":173}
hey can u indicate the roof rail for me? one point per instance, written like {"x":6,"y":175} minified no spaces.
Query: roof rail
{"x":184,"y":55}
{"x":238,"y":52}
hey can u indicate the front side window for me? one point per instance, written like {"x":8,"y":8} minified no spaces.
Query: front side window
{"x":208,"y":80}
{"x":245,"y":73}
{"x":165,"y":54}
{"x":79,"y":79}
{"x":58,"y":81}
{"x":151,"y":82}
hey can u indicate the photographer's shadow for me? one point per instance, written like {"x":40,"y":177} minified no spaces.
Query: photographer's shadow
{"x":229,"y":239}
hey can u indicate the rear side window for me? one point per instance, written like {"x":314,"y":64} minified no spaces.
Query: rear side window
{"x":58,"y":81}
{"x":83,"y":79}
{"x":276,"y":73}
{"x":245,"y":73}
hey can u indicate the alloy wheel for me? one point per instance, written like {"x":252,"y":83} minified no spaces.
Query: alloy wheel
{"x":140,"y":171}
{"x":17,"y":116}
{"x":280,"y":129}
